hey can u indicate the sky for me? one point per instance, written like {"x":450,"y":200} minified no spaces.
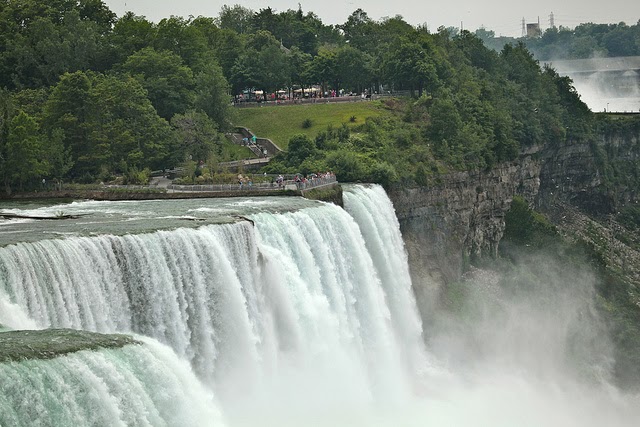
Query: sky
{"x":502,"y":16}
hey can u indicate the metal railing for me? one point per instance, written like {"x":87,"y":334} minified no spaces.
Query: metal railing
{"x":286,"y":184}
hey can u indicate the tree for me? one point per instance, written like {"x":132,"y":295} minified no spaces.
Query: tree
{"x":31,"y":101}
{"x":176,"y":35}
{"x":124,"y":130}
{"x":167,"y":80}
{"x":620,"y":41}
{"x":275,"y":69}
{"x":39,"y":43}
{"x":236,"y":18}
{"x":300,"y":148}
{"x":353,"y":69}
{"x":265,"y":20}
{"x":197,"y":136}
{"x":358,"y":30}
{"x":211,"y":95}
{"x":348,"y":165}
{"x":484,"y":34}
{"x":130,"y":34}
{"x":299,"y":68}
{"x":107,"y":124}
{"x":246,"y":72}
{"x":98,"y":12}
{"x":445,"y":121}
{"x":263,"y":65}
{"x":521,"y":66}
{"x":584,"y":47}
{"x":324,"y":68}
{"x":476,"y":52}
{"x":67,"y":111}
{"x":227,"y":49}
{"x":411,"y":64}
{"x":4,"y":137}
{"x":291,"y":28}
{"x":60,"y":158}
{"x":208,"y":30}
{"x":25,"y":161}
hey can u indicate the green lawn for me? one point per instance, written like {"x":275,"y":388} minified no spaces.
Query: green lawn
{"x":280,"y":123}
{"x":232,"y":152}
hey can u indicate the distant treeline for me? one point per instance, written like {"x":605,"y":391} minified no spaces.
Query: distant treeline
{"x":587,"y":40}
{"x":88,"y":96}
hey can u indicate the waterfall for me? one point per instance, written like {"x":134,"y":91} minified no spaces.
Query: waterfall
{"x":373,"y":211}
{"x":180,"y":287}
{"x":302,"y":315}
{"x":137,"y":385}
{"x":299,"y":300}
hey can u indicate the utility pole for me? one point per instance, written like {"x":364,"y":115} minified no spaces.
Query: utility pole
{"x":524,"y":28}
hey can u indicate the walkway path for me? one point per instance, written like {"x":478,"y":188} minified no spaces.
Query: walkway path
{"x":160,"y":182}
{"x":289,"y":184}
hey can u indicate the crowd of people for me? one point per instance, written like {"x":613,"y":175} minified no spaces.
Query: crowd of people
{"x":300,"y":181}
{"x":313,"y":179}
{"x":254,"y":146}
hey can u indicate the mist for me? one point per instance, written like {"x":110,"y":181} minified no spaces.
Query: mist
{"x":604,"y":84}
{"x":515,"y":345}
{"x":603,"y":92}
{"x":525,"y":345}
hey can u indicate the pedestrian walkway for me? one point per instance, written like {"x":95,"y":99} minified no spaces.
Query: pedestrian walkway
{"x":289,"y":183}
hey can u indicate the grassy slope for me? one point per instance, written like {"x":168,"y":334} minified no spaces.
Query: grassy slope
{"x":235,"y":152}
{"x":280,"y":123}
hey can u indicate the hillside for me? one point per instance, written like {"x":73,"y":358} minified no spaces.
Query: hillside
{"x":280,"y":123}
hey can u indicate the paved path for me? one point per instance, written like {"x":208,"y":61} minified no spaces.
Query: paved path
{"x":161,"y":182}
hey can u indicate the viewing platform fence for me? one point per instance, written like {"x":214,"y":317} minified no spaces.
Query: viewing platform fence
{"x":287,"y":184}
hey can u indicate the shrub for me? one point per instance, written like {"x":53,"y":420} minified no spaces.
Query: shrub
{"x":383,"y":173}
{"x":300,"y":148}
{"x":524,"y":226}
{"x":137,"y":177}
{"x":630,"y":217}
{"x":307,"y":123}
{"x":87,"y":178}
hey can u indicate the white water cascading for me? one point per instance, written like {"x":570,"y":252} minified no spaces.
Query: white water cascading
{"x":137,"y":385}
{"x":300,"y":301}
{"x":305,"y":317}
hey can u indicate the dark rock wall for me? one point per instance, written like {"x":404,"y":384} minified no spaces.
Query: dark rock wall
{"x":446,"y":224}
{"x":462,"y":217}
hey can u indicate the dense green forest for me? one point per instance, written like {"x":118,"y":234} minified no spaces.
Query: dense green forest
{"x":587,"y":40}
{"x":87,"y":95}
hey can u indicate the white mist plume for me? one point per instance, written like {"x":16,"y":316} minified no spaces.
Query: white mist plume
{"x":603,"y":83}
{"x":528,"y":348}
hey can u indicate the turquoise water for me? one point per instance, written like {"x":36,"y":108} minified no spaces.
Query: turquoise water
{"x":131,"y":217}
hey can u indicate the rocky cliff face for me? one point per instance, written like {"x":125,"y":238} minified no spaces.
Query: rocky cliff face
{"x":597,"y":178}
{"x":462,"y":216}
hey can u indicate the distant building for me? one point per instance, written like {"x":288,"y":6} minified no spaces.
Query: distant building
{"x":533,"y":30}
